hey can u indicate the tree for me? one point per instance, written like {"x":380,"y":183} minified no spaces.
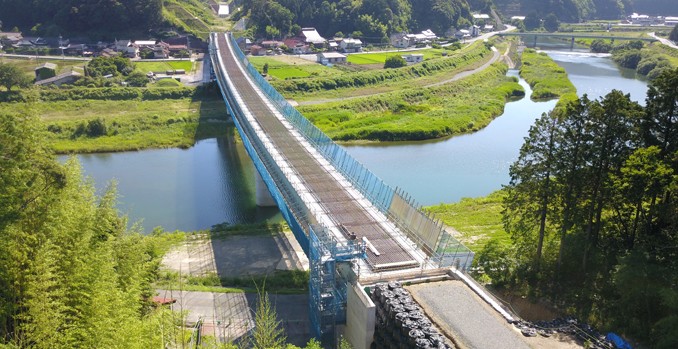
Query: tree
{"x":272,"y":32}
{"x":11,"y":76}
{"x":265,"y":69}
{"x":532,"y":21}
{"x":551,"y":22}
{"x":600,"y":46}
{"x":137,"y":79}
{"x":395,"y":62}
{"x":674,"y":34}
{"x":267,"y":331}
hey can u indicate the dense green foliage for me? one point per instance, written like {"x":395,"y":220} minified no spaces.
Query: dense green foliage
{"x":77,"y":16}
{"x":650,"y":61}
{"x":591,"y":209}
{"x":114,"y":66}
{"x":372,"y":20}
{"x":674,"y":34}
{"x":546,"y":77}
{"x":72,"y":275}
{"x":422,"y":113}
{"x":11,"y":76}
{"x":394,"y":62}
{"x":601,"y":46}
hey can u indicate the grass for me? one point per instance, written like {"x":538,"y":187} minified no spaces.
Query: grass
{"x":547,"y":79}
{"x":380,"y":57}
{"x":163,"y":66}
{"x":29,"y":63}
{"x":418,"y":114}
{"x":130,"y":124}
{"x":368,"y":82}
{"x":478,"y":220}
{"x":290,"y":67}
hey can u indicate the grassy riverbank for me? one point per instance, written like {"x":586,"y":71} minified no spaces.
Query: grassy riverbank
{"x":418,"y":114}
{"x":91,"y":125}
{"x":547,"y":79}
{"x":478,"y":220}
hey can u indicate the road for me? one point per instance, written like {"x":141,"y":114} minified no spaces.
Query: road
{"x":666,"y":42}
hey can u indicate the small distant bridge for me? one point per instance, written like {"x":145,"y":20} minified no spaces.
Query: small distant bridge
{"x":573,"y":36}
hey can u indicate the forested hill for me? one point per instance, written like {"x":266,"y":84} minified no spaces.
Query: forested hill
{"x":577,"y":10}
{"x":375,"y":19}
{"x":81,"y":15}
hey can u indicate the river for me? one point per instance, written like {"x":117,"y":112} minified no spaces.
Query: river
{"x":213,"y":181}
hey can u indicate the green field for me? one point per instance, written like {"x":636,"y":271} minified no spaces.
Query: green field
{"x":130,"y":124}
{"x":418,"y":113}
{"x":163,"y":66}
{"x":290,"y":67}
{"x":29,"y":64}
{"x":380,"y":57}
{"x":477,"y":219}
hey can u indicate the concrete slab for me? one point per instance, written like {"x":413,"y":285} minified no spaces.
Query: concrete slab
{"x":465,"y":317}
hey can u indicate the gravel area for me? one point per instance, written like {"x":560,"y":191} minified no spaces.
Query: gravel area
{"x":461,"y":314}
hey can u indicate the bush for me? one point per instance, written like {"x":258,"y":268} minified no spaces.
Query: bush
{"x":600,"y":46}
{"x":394,"y":62}
{"x":628,"y":59}
{"x":96,"y":128}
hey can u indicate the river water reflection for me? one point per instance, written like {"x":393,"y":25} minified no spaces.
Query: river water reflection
{"x":477,"y":164}
{"x":213,"y":181}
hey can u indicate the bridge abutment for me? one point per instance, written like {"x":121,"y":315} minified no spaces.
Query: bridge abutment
{"x":264,"y":198}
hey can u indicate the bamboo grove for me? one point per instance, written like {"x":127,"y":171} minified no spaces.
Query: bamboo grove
{"x":592,"y":212}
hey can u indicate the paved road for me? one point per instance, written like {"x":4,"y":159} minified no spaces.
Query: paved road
{"x":666,"y":42}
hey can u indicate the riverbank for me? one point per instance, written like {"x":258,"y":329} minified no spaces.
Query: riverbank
{"x":419,"y":114}
{"x":91,"y":125}
{"x":547,"y":79}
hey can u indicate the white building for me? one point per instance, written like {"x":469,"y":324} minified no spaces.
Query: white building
{"x":413,"y":58}
{"x":325,"y":58}
{"x":351,"y":45}
{"x":311,"y":36}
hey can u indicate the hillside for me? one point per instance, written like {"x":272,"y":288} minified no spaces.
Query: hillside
{"x":375,"y":19}
{"x":578,"y":10}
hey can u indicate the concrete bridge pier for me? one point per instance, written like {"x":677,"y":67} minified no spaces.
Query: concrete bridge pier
{"x":263,"y":196}
{"x":572,"y":44}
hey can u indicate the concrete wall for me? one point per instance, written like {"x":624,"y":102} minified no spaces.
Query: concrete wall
{"x":360,"y":317}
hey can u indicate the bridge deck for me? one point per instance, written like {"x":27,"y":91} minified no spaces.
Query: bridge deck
{"x":342,"y":207}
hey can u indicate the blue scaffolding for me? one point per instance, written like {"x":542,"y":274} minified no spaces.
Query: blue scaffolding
{"x":327,"y":286}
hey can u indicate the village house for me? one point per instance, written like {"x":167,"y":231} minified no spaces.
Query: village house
{"x":311,"y":36}
{"x":413,"y":58}
{"x":127,"y":48}
{"x":404,"y":40}
{"x":297,"y":46}
{"x":10,"y":38}
{"x":161,"y":50}
{"x":256,"y":50}
{"x":61,"y":79}
{"x":351,"y":45}
{"x":325,"y":58}
{"x":45,"y":71}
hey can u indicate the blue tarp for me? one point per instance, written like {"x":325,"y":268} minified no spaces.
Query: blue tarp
{"x":618,"y":341}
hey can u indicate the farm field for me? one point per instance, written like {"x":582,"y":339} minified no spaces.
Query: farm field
{"x":29,"y":64}
{"x":291,"y":67}
{"x":163,"y":66}
{"x":380,"y":57}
